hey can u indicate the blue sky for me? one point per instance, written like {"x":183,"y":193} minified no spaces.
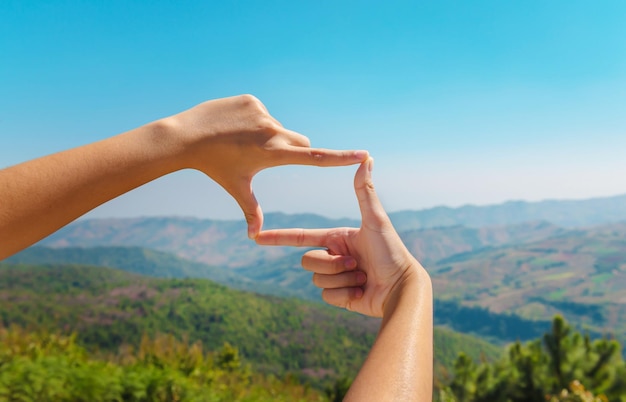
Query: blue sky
{"x":458,"y":101}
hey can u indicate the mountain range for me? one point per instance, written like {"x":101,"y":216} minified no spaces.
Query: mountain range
{"x":525,"y":261}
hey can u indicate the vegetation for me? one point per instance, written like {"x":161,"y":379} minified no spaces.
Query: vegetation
{"x":564,"y":365}
{"x":108,"y":308}
{"x":48,"y":367}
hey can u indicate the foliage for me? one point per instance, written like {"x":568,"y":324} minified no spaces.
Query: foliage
{"x":552,"y":368}
{"x":107,"y":309}
{"x":49,"y":367}
{"x":576,"y":393}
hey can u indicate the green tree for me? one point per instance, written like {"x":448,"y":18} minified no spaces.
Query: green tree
{"x":540,"y":369}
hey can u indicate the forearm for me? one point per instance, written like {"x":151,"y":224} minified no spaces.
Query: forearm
{"x":400,"y":364}
{"x":42,"y":195}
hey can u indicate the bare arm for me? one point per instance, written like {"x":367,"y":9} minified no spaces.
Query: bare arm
{"x":229,"y":139}
{"x":399,"y":366}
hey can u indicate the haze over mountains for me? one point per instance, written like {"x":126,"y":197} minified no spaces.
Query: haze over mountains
{"x":225,"y":242}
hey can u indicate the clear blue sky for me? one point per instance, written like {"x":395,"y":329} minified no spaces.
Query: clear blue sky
{"x":458,"y":101}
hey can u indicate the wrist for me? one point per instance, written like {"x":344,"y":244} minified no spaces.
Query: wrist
{"x":413,"y":285}
{"x":161,"y":139}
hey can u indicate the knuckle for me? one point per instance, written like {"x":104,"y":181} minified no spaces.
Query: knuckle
{"x":249,"y":216}
{"x":316,"y":155}
{"x":248,"y":100}
{"x":267,"y":124}
{"x":300,"y":237}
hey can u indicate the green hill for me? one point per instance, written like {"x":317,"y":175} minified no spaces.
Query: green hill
{"x":108,"y":308}
{"x":144,"y":262}
{"x":278,"y":277}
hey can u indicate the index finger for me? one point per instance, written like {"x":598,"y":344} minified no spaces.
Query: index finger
{"x":297,"y":155}
{"x":293,"y":237}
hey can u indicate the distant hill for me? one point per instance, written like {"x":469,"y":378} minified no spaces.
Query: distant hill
{"x":580,"y":274}
{"x":567,"y":213}
{"x":144,"y":262}
{"x":212,"y":242}
{"x":109,"y":307}
{"x":226,"y":244}
{"x":433,"y":244}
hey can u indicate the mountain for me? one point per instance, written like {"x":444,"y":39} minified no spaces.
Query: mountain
{"x":144,"y":262}
{"x":433,"y":244}
{"x":108,"y":308}
{"x":226,"y":244}
{"x":567,"y":213}
{"x":580,"y":274}
{"x":212,"y":242}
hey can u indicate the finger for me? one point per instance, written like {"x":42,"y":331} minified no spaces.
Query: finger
{"x":293,"y":237}
{"x":372,"y":212}
{"x":251,"y":209}
{"x":320,"y":261}
{"x":342,"y":297}
{"x":300,"y":155}
{"x":341,"y":280}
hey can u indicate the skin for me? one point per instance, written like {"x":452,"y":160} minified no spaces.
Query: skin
{"x":370,"y":271}
{"x":229,"y":139}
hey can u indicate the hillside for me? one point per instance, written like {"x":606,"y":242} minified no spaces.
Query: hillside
{"x":143,"y":262}
{"x":278,"y":277}
{"x":108,"y":308}
{"x":433,"y":244}
{"x":580,"y":274}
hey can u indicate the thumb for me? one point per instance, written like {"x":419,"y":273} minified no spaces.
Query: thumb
{"x":251,"y":209}
{"x":372,"y":212}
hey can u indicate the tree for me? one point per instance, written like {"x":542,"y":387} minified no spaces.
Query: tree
{"x":546,"y":368}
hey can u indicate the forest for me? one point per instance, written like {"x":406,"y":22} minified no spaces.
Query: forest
{"x":563,"y":365}
{"x":103,"y":319}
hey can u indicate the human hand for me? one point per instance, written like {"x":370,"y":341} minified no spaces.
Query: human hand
{"x":232,"y":139}
{"x":375,"y":249}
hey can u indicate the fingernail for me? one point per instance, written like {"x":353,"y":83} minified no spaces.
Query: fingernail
{"x":357,"y":293}
{"x":361,"y":278}
{"x":370,"y":164}
{"x":361,"y":155}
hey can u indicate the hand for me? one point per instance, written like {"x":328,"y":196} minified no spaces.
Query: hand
{"x":375,"y":250}
{"x":232,"y":139}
